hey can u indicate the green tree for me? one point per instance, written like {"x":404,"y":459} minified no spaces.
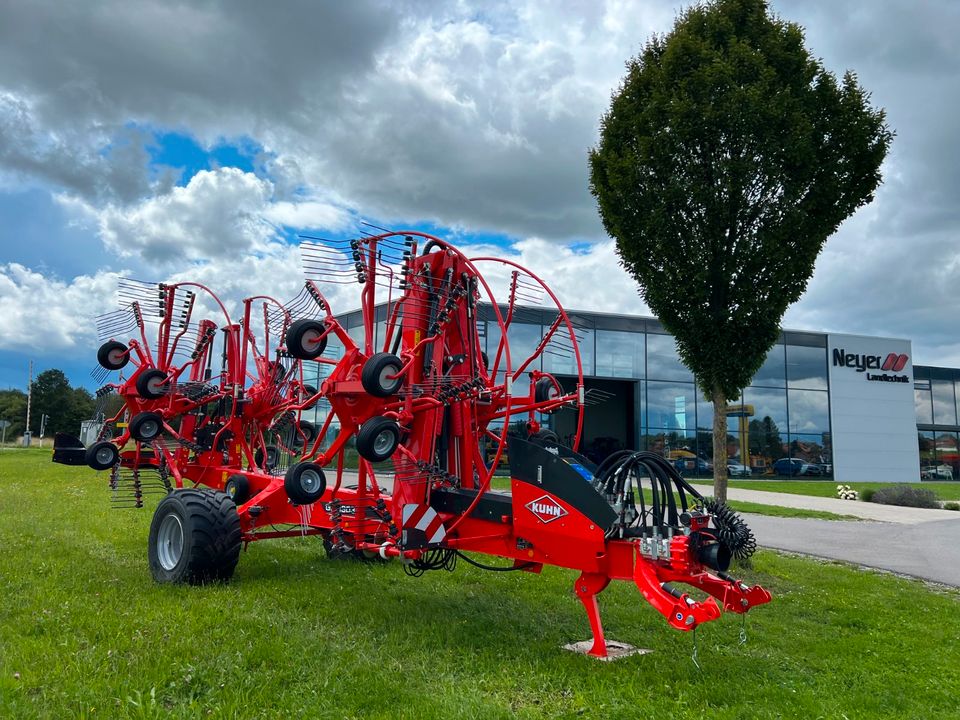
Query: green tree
{"x":65,"y":406}
{"x":727,"y":158}
{"x":765,"y":438}
{"x":13,"y":409}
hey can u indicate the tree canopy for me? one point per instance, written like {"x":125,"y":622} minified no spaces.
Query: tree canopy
{"x":727,"y":158}
{"x":66,"y":406}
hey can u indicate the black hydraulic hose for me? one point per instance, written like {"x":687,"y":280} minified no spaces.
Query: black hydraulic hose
{"x":430,"y":245}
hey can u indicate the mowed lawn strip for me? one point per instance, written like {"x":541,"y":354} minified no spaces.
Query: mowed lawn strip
{"x":85,"y":632}
{"x":828,"y":488}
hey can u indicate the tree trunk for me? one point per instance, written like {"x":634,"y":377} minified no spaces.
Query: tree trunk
{"x":719,"y":445}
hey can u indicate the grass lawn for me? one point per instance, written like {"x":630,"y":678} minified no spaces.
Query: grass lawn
{"x":84,"y":632}
{"x":828,"y":488}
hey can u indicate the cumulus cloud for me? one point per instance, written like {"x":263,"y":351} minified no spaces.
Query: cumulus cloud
{"x":220,"y":214}
{"x":475,"y":116}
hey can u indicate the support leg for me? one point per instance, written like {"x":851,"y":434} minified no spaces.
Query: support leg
{"x":588,"y":586}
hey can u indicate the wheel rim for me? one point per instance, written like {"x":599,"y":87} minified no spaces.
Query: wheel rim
{"x":310,"y":481}
{"x":308,"y":341}
{"x":104,"y":456}
{"x":231,"y":490}
{"x":149,"y":429}
{"x":115,"y":357}
{"x":383,"y":444}
{"x":170,"y":542}
{"x":155,"y":385}
{"x":387,"y":382}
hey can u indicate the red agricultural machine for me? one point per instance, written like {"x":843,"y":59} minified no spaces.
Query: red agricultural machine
{"x":417,"y":416}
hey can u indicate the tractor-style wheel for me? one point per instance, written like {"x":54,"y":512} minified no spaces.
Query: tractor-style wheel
{"x":113,"y":355}
{"x":304,"y":339}
{"x":544,"y":390}
{"x":151,"y":384}
{"x":238,"y":489}
{"x":378,"y":438}
{"x":194,"y":537}
{"x":377,"y":375}
{"x":309,"y":431}
{"x":269,"y":460}
{"x":308,"y":392}
{"x":305,"y":483}
{"x":102,"y":455}
{"x":146,"y":426}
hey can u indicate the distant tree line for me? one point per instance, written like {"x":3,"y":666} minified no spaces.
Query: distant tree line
{"x":65,"y":406}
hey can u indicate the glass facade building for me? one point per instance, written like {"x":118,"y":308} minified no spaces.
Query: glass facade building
{"x":641,"y":395}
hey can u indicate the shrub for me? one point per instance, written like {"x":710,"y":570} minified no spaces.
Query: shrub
{"x":906,"y":496}
{"x":951,"y":506}
{"x":867,"y":494}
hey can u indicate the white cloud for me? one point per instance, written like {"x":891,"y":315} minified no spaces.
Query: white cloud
{"x":49,"y":315}
{"x":475,"y":116}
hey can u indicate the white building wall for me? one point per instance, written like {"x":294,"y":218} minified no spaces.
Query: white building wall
{"x":873,"y":421}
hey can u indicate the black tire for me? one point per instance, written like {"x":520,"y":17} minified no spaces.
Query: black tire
{"x":308,"y":392}
{"x":301,"y":339}
{"x":113,"y":355}
{"x":375,"y":376}
{"x":151,"y":384}
{"x":309,"y":431}
{"x":146,"y":426}
{"x":269,"y":460}
{"x":305,"y":483}
{"x":548,"y":438}
{"x":544,"y":390}
{"x":237,"y":489}
{"x":378,"y":438}
{"x":208,"y":529}
{"x":102,"y":455}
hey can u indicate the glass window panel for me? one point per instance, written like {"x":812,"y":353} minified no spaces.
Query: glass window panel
{"x":928,"y":457}
{"x":620,"y":354}
{"x":768,"y":402}
{"x":773,"y":371}
{"x":806,"y":367}
{"x":671,"y":405}
{"x":558,"y":357}
{"x":704,"y":412}
{"x":809,"y":411}
{"x":922,"y":400}
{"x":767,"y":441}
{"x":663,"y":362}
{"x":944,"y":404}
{"x":947,"y":448}
{"x":813,"y":449}
{"x":523,"y":339}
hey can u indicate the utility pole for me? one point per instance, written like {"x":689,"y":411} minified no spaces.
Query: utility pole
{"x":26,"y":434}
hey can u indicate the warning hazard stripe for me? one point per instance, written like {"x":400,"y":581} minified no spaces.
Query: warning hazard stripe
{"x":425,"y":519}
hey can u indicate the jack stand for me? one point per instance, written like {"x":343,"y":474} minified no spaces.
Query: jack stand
{"x":587,"y":587}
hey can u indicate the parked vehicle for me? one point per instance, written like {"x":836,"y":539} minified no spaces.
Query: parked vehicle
{"x":939,"y":472}
{"x":793,"y":467}
{"x":738,"y":470}
{"x":693,"y":466}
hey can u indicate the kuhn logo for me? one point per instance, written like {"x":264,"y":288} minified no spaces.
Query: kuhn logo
{"x":546,"y":509}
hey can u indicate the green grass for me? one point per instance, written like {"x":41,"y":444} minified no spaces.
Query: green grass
{"x":828,"y":488}
{"x":296,"y":635}
{"x":779,"y":511}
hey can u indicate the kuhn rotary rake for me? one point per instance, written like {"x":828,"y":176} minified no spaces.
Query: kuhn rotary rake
{"x":423,"y":409}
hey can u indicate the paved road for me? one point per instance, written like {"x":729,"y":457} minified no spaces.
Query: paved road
{"x":911,"y":541}
{"x":928,"y":550}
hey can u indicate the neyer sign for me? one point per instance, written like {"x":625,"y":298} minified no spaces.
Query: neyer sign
{"x":863,"y":363}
